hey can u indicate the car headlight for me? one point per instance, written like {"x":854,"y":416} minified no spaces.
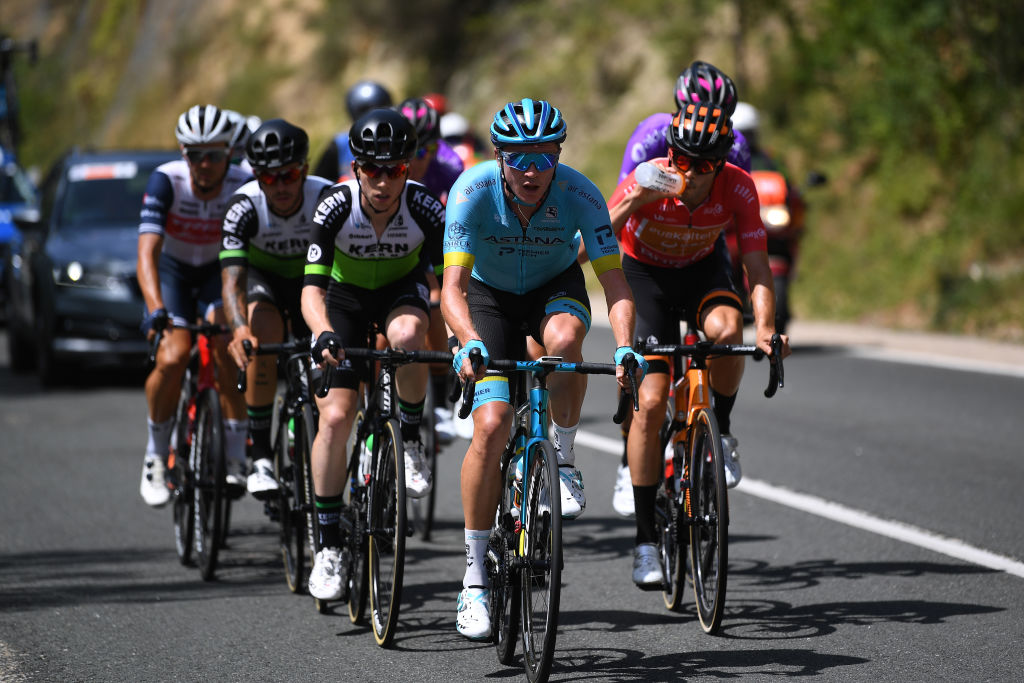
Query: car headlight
{"x":775,"y":217}
{"x":74,"y":274}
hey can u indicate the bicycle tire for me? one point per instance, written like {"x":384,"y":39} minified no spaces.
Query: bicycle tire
{"x":423,"y":508}
{"x":505,"y":597}
{"x":289,"y":473}
{"x":356,"y":561}
{"x":181,"y":475}
{"x":540,"y":550}
{"x":387,"y":530}
{"x":208,"y":466}
{"x":672,"y":546}
{"x":709,"y":532}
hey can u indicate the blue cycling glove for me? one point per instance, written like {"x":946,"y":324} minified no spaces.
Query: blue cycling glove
{"x":621,"y":353}
{"x":463,"y":353}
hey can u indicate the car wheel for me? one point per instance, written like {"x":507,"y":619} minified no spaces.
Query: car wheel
{"x":23,"y":358}
{"x":51,"y":371}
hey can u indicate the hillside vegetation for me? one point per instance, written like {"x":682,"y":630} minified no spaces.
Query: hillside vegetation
{"x":913,"y":108}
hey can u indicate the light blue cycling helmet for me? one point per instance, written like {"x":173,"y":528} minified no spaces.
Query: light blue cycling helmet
{"x":527,"y":122}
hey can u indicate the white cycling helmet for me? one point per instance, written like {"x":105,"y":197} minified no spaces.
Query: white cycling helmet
{"x":453,"y":125}
{"x":202,"y":125}
{"x":746,"y":119}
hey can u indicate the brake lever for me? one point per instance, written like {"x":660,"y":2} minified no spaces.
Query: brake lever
{"x":476,"y":359}
{"x":776,"y":376}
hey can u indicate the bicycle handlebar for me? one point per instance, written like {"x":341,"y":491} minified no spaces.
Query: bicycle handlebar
{"x":205,"y":328}
{"x":704,"y":349}
{"x":545,"y":366}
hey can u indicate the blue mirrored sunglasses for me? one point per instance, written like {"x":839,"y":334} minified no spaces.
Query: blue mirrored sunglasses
{"x":521,"y":161}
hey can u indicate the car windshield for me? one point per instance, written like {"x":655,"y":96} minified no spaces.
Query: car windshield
{"x":104,"y":194}
{"x":15,"y":187}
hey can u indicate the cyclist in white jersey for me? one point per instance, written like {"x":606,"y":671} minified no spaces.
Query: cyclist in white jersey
{"x":179,"y":238}
{"x":370,"y":261}
{"x":510,"y":258}
{"x":264,"y":240}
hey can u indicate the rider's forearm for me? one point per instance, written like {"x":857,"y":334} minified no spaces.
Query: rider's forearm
{"x":146,"y":271}
{"x":762,"y":289}
{"x":233,"y":285}
{"x":314,"y":309}
{"x":454,"y":306}
{"x":621,"y":308}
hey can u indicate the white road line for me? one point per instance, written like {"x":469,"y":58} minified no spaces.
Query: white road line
{"x":820,"y":507}
{"x":935,"y":361}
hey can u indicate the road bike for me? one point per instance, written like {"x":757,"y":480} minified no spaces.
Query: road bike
{"x":295,"y":423}
{"x":524,"y":551}
{"x":373,"y":516}
{"x":196,"y":465}
{"x":692,"y":505}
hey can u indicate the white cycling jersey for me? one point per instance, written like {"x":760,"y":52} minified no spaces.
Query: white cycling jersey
{"x":256,"y":237}
{"x":190,"y":227}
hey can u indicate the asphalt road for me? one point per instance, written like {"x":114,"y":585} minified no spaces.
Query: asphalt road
{"x":90,"y":587}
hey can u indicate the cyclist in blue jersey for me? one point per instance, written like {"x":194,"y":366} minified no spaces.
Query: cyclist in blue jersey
{"x":512,"y":229}
{"x":264,"y":239}
{"x":336,"y":162}
{"x":179,"y":239}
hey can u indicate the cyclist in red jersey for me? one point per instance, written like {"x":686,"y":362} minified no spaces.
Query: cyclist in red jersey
{"x":677,"y":263}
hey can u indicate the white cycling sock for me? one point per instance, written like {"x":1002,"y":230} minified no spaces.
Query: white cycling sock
{"x":159,"y":442}
{"x":562,"y":438}
{"x":235,"y":434}
{"x":476,"y":551}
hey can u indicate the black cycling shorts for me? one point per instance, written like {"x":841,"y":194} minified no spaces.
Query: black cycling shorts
{"x":284,"y":294}
{"x":665,"y":296}
{"x":352,"y":310}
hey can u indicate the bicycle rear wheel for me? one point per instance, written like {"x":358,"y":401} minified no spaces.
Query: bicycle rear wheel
{"x":355,"y":559}
{"x":504,"y":581}
{"x":387,"y":529}
{"x":181,"y":475}
{"x":709,"y":532}
{"x":672,"y":547}
{"x":540,"y":550}
{"x":208,"y":467}
{"x":289,"y":472}
{"x":423,"y":508}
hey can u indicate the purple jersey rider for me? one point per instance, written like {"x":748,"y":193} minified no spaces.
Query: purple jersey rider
{"x":648,"y":142}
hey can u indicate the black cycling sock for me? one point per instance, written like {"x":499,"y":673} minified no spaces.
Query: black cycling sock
{"x":328,"y":514}
{"x":260,"y":418}
{"x":723,"y":410}
{"x":410,"y":415}
{"x":643,"y":500}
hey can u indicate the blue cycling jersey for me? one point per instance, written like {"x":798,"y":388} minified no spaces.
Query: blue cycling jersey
{"x":483,"y":233}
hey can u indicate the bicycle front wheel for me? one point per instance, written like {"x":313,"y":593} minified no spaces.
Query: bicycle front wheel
{"x":709,"y":531}
{"x":540,"y":560}
{"x":387,"y":522}
{"x":208,"y":468}
{"x":181,"y":475}
{"x":289,"y":472}
{"x":356,"y":562}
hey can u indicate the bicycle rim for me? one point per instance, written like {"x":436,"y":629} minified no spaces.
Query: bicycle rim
{"x":540,"y":550}
{"x":288,"y":470}
{"x":709,"y":533}
{"x":672,"y":549}
{"x":183,"y":504}
{"x":209,"y":470}
{"x":387,"y":527}
{"x":357,"y":561}
{"x":423,"y":508}
{"x":501,"y":556}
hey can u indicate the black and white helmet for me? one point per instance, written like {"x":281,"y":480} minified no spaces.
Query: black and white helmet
{"x":204,"y":124}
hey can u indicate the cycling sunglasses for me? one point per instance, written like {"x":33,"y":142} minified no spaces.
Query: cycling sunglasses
{"x":374,"y":171}
{"x":289,"y":176}
{"x":521,"y":161}
{"x":197,"y":156}
{"x":699,"y":166}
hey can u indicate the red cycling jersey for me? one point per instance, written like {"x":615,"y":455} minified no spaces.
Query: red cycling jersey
{"x":667,"y":234}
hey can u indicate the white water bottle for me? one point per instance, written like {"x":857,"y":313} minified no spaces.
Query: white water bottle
{"x":655,"y":177}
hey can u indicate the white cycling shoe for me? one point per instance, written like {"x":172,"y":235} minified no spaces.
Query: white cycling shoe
{"x":474,"y":617}
{"x":153,"y":486}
